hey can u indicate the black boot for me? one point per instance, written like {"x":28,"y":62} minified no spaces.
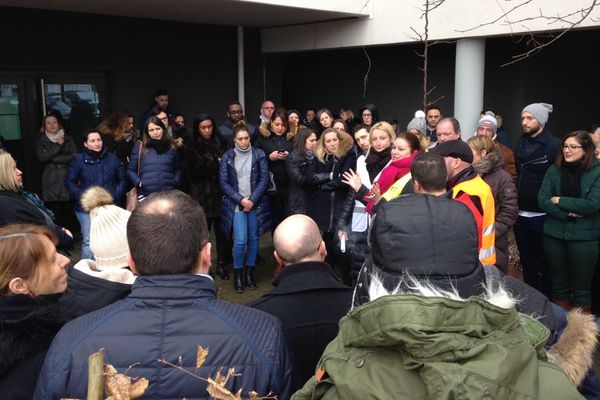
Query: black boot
{"x":221,"y":271}
{"x":250,"y":278}
{"x":238,"y":285}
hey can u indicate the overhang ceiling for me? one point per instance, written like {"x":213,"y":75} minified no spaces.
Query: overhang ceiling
{"x":248,"y":13}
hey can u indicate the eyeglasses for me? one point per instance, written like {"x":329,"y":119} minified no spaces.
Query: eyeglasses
{"x":268,"y":108}
{"x":571,"y":147}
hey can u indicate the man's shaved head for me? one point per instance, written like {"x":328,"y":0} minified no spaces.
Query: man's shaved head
{"x":297,"y":239}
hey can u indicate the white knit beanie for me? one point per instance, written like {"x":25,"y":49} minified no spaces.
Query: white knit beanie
{"x":108,"y":229}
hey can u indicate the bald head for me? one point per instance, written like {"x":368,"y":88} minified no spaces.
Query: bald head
{"x":298,"y":239}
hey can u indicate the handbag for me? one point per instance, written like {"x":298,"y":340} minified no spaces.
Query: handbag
{"x":132,"y":195}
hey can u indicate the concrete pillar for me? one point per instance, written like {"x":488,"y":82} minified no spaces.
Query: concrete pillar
{"x":240,"y":69}
{"x":468,"y":84}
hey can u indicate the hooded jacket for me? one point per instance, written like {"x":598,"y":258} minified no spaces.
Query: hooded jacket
{"x":491,"y":170}
{"x":411,"y":346}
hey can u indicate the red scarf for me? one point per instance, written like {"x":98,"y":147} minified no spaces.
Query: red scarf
{"x":390,"y":174}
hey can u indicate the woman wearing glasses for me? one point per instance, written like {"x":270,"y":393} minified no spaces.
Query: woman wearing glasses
{"x":570,"y":195}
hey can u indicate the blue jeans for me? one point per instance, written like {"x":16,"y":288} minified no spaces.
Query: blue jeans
{"x":84,"y":223}
{"x":245,"y":239}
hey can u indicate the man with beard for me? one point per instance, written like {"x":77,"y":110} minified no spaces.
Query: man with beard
{"x":235,"y":114}
{"x":535,"y":152}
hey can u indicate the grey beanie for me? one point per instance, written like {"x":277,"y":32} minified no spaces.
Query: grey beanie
{"x":416,"y":123}
{"x":540,"y":111}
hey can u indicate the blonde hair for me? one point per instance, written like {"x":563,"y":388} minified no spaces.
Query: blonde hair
{"x":344,"y":146}
{"x":381,"y":126}
{"x":480,"y":143}
{"x":22,"y":255}
{"x":8,"y":179}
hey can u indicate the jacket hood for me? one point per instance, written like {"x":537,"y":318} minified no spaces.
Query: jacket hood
{"x":457,"y":348}
{"x":449,"y":258}
{"x":573,"y":352}
{"x":490,"y":163}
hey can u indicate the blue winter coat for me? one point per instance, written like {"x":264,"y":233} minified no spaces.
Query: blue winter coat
{"x":166,"y":317}
{"x":259,"y":181}
{"x":86,"y":171}
{"x":158,"y":172}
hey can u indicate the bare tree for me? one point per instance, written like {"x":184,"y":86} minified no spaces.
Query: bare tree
{"x":427,"y":7}
{"x":535,"y":42}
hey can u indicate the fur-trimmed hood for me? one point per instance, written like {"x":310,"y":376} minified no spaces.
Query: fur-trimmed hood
{"x":265,"y":131}
{"x":572,"y":353}
{"x":490,"y":163}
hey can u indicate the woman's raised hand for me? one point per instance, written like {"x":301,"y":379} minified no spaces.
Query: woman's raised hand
{"x":351,"y":179}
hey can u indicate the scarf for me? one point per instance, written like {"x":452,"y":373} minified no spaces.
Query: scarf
{"x":376,"y":161}
{"x":570,"y":179}
{"x":54,"y":138}
{"x":160,"y":145}
{"x":96,"y":155}
{"x":36,"y":201}
{"x":390,"y":174}
{"x":310,"y":155}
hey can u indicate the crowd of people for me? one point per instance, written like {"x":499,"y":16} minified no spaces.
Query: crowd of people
{"x":392,"y":246}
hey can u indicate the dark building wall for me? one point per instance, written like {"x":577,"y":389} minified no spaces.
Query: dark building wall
{"x":563,"y":74}
{"x":334,"y":79}
{"x":196,"y":63}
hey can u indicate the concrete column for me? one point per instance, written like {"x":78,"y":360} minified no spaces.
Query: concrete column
{"x":240,"y":69}
{"x":468,"y":84}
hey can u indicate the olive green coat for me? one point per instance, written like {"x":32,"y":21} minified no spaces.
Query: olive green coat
{"x":558,"y":224}
{"x":412,"y":347}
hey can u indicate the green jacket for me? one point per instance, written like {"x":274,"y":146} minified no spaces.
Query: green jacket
{"x":558,"y":224}
{"x":412,"y":347}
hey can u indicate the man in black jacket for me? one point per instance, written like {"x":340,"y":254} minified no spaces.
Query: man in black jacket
{"x":535,"y":152}
{"x":308,"y":298}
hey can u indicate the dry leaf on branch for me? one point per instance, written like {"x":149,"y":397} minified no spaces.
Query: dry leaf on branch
{"x":120,"y":386}
{"x":201,"y":355}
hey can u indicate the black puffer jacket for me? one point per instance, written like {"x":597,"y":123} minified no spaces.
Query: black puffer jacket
{"x":56,"y":158}
{"x":491,"y":169}
{"x":27,"y":327}
{"x":300,"y":190}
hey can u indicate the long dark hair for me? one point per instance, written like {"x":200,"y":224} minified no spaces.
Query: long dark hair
{"x":156,"y":121}
{"x":299,"y":143}
{"x":585,"y":141}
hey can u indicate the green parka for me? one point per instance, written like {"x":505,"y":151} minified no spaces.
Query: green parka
{"x":558,"y":224}
{"x":413,"y":347}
